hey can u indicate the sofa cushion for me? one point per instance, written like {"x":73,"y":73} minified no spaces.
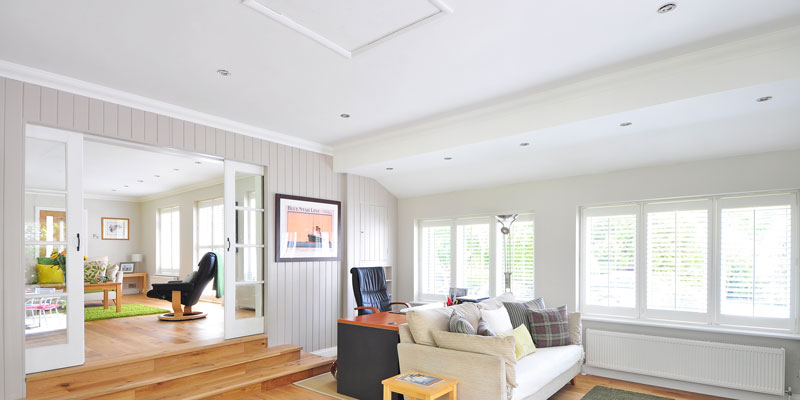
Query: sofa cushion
{"x":523,"y":343}
{"x":502,"y":347}
{"x":49,"y":274}
{"x":498,"y":320}
{"x":518,"y":312}
{"x":484,"y":329}
{"x":539,"y":369}
{"x":459,"y":324}
{"x":496,"y":302}
{"x":94,"y":268}
{"x":112,"y":271}
{"x":549,"y":327}
{"x":423,"y":322}
{"x":470,"y":311}
{"x":575,"y":328}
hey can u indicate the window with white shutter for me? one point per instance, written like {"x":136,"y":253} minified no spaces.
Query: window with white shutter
{"x":520,"y":256}
{"x":210,"y":227}
{"x":169,"y":235}
{"x":435,"y":252}
{"x":610,"y":259}
{"x":678,"y":250}
{"x":756,"y":265}
{"x":473,"y":256}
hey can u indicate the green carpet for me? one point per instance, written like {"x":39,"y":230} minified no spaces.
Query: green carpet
{"x":128,"y":310}
{"x":605,"y":393}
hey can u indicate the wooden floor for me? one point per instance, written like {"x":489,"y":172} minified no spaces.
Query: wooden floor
{"x":582,"y":386}
{"x":112,"y":338}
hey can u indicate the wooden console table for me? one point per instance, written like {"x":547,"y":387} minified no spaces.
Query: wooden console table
{"x":141,"y":276}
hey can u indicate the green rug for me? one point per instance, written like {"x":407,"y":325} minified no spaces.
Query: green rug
{"x":606,"y":393}
{"x":128,"y":310}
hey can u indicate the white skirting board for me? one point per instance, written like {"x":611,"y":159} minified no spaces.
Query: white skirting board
{"x":685,"y":386}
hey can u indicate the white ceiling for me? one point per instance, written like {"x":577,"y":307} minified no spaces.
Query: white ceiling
{"x":718,"y":125}
{"x":113,"y":172}
{"x":286,"y":82}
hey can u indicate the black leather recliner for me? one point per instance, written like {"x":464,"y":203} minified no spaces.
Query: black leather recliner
{"x":186,"y":291}
{"x":369,"y":287}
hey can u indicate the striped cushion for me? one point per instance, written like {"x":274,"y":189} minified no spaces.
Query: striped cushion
{"x":549,"y":327}
{"x":518,"y":312}
{"x":459,"y":324}
{"x":484,"y":329}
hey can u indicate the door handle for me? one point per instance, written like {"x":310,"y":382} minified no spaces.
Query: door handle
{"x":229,"y":244}
{"x":79,"y":242}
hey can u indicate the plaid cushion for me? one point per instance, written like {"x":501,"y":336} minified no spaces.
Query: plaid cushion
{"x":518,"y":312}
{"x":484,"y":329}
{"x":459,"y":324}
{"x":549,"y":327}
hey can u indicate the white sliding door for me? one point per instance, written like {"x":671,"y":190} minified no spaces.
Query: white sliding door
{"x":245,"y":235}
{"x":53,"y":228}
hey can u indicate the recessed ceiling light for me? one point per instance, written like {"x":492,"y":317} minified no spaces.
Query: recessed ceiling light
{"x":157,"y":176}
{"x":197,"y":162}
{"x":523,"y":144}
{"x":113,"y":190}
{"x":140,"y":181}
{"x":176,"y":169}
{"x":389,"y":169}
{"x":667,"y":8}
{"x":763,"y":99}
{"x":448,"y":158}
{"x":224,"y":72}
{"x":125,"y":185}
{"x":344,"y":115}
{"x":626,"y":124}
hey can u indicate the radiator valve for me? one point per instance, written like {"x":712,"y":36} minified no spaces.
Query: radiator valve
{"x":789,"y":392}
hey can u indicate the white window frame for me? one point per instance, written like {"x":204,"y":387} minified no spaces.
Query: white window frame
{"x":160,"y":270}
{"x":198,"y":249}
{"x":712,"y":318}
{"x":496,"y":278}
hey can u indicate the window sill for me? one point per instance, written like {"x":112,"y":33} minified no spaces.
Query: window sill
{"x":690,"y":327}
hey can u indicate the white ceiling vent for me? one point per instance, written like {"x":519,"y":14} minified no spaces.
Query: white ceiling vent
{"x":349,"y":27}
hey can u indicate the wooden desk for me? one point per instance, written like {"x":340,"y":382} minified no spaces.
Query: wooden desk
{"x":367,"y":353}
{"x":141,"y":277}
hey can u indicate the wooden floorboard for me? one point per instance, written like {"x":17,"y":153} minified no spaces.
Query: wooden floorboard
{"x":582,"y":386}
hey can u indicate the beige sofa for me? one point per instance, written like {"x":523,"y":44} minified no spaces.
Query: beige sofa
{"x":483,"y":377}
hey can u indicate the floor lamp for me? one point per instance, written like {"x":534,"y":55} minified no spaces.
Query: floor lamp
{"x":506,"y":221}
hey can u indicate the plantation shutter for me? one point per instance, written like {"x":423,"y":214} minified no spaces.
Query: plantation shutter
{"x":610,"y":257}
{"x":756,"y":256}
{"x":473,"y":256}
{"x":520,"y":244}
{"x":436,"y":259}
{"x":677,"y":256}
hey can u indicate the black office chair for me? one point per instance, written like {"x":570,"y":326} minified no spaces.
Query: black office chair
{"x":186,"y":291}
{"x":369,"y":287}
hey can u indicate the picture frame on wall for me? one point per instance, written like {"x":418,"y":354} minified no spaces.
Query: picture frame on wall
{"x":126,"y":267}
{"x":115,"y":228}
{"x":307,"y":229}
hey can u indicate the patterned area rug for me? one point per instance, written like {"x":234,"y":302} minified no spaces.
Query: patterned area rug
{"x":606,"y":393}
{"x":128,"y":310}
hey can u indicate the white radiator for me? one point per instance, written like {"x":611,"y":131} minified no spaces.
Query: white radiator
{"x":751,"y":368}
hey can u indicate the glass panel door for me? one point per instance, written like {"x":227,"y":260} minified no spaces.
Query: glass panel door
{"x":54,"y":248}
{"x":245,"y":221}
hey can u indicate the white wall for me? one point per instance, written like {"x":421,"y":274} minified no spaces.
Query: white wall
{"x":117,"y":250}
{"x":556,"y":203}
{"x":186,"y":203}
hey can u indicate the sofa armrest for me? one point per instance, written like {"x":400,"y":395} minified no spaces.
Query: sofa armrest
{"x":480,"y":376}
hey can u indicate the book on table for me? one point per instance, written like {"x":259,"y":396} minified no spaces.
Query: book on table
{"x":419,"y":379}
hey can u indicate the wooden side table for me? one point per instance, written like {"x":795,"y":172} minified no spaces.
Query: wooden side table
{"x":141,"y":277}
{"x":414,"y":391}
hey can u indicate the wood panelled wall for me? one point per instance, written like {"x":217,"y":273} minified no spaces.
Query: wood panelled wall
{"x":303,"y":298}
{"x":371,"y":233}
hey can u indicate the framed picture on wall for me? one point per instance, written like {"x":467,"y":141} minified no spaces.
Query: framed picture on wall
{"x":115,"y":228}
{"x":307,"y":229}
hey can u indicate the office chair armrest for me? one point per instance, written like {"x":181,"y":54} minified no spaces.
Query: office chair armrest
{"x":402,"y":303}
{"x":168,"y":287}
{"x":375,"y":310}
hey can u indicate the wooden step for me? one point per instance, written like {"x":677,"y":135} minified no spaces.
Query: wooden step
{"x":126,"y":373}
{"x":244,"y":382}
